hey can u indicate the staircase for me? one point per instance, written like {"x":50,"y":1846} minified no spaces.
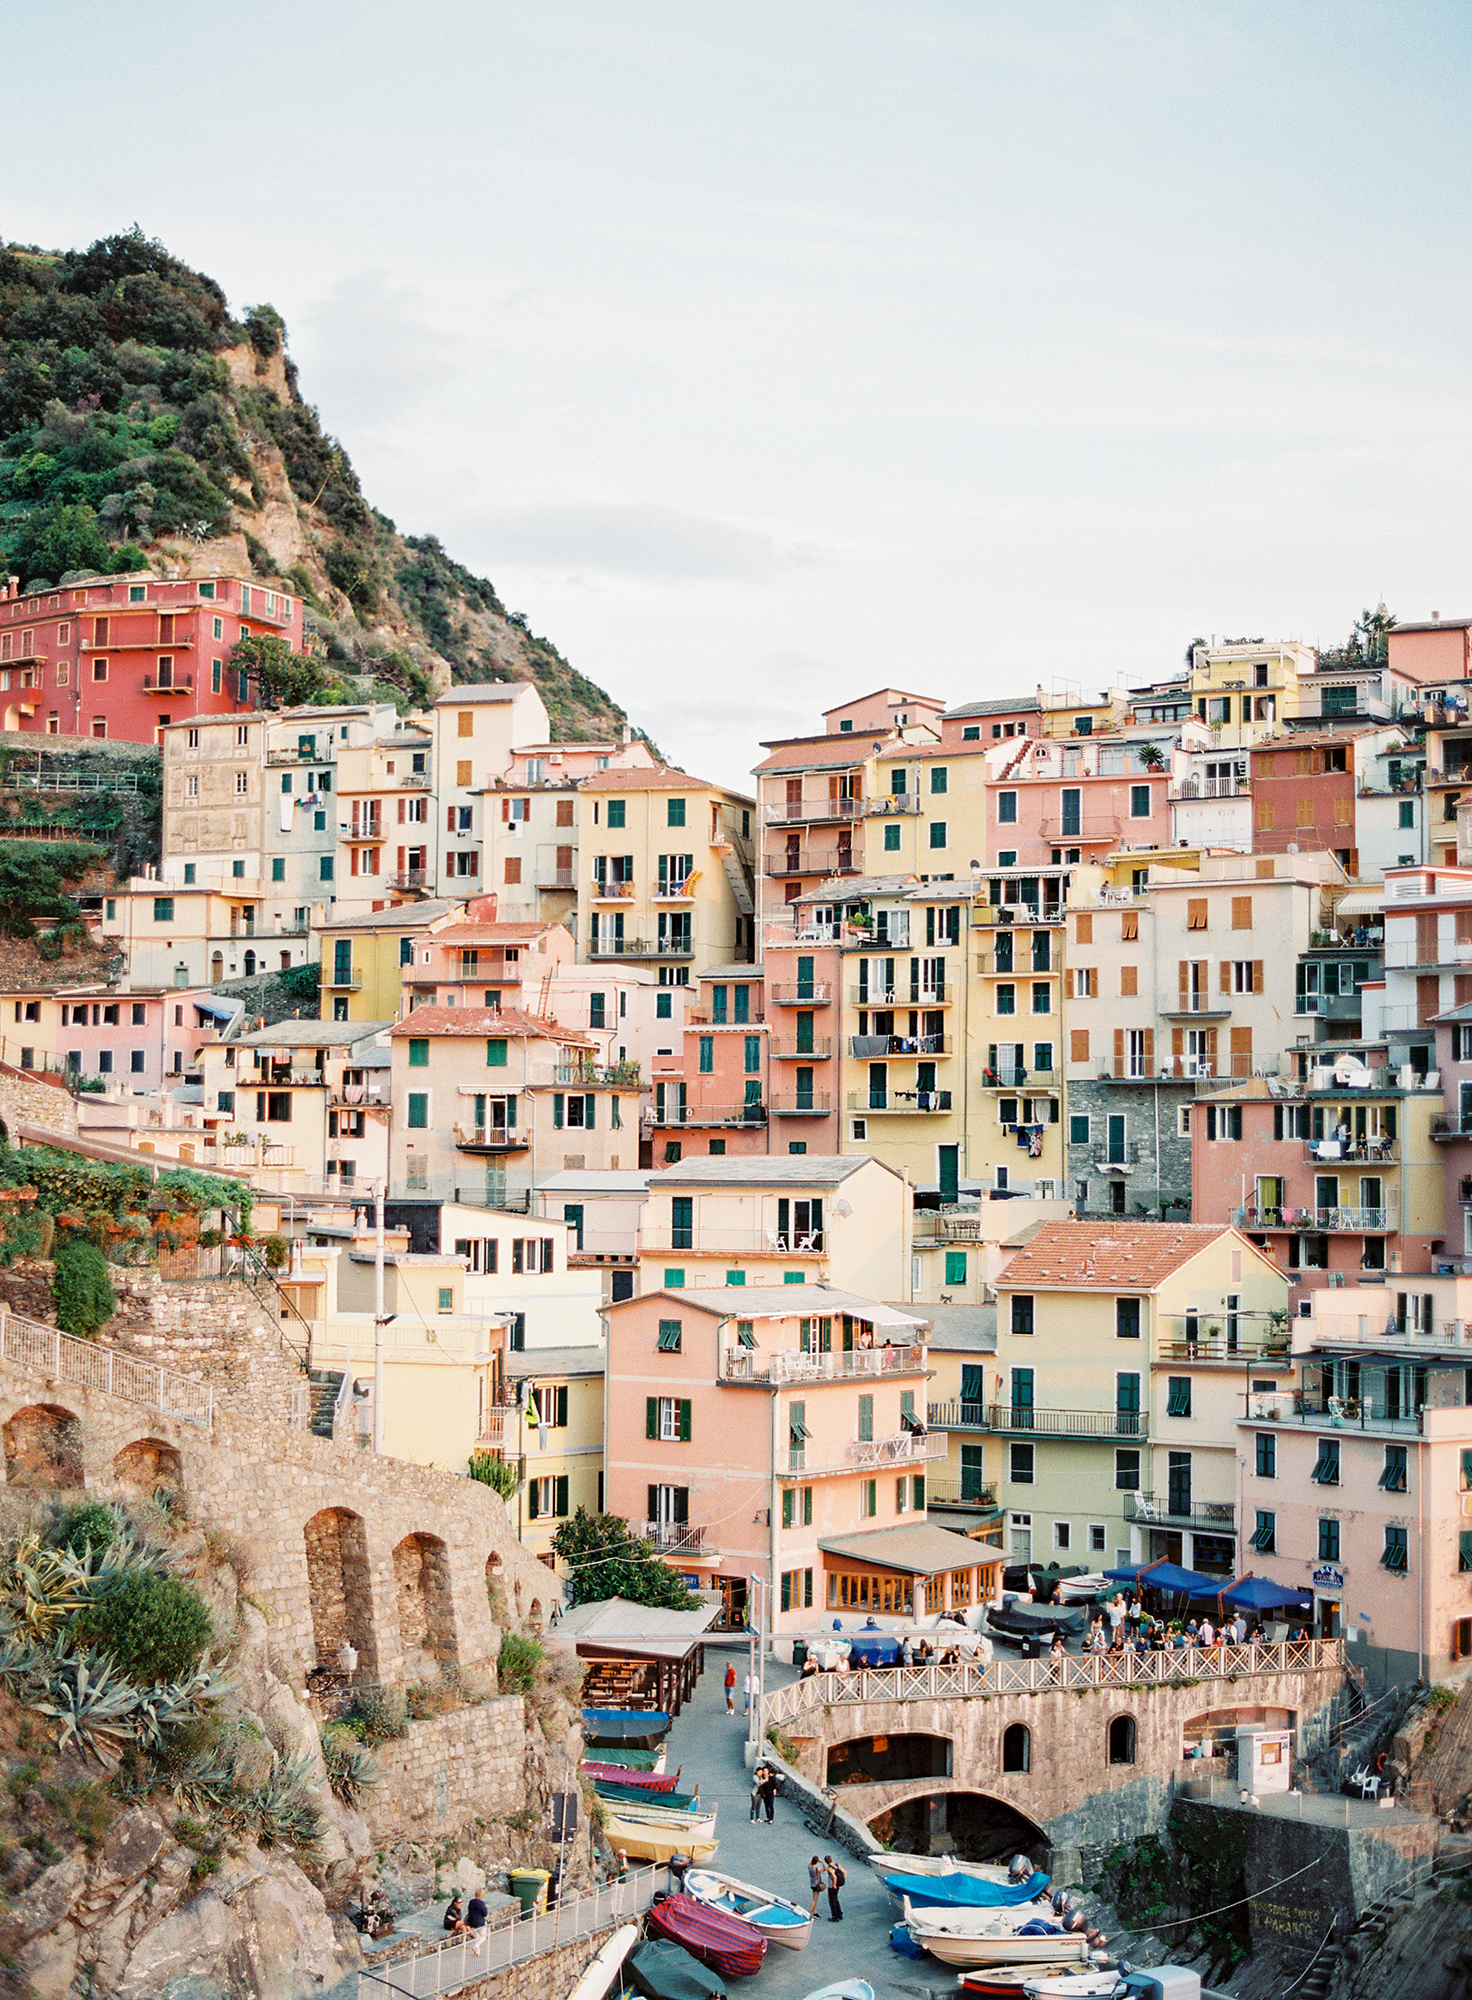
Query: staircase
{"x":736,"y":876}
{"x":325,"y":1387}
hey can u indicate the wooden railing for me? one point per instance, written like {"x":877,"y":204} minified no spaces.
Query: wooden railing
{"x":46,"y":1350}
{"x":966,"y":1680}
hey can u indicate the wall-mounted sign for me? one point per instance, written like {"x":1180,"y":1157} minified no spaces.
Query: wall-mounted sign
{"x":1328,"y":1579}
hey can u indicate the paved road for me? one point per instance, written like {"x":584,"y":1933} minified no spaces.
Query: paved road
{"x":709,"y":1744}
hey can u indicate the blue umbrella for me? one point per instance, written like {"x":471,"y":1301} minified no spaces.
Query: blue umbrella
{"x":1170,"y":1578}
{"x":1260,"y":1593}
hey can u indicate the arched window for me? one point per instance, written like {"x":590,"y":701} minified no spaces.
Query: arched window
{"x":1122,"y":1740}
{"x":1016,"y":1748}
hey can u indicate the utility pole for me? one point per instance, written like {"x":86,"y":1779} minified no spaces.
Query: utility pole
{"x":378,"y":1321}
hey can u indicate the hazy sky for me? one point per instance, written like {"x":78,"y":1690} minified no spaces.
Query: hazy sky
{"x":764,"y":353}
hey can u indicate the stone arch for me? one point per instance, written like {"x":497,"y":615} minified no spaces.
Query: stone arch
{"x":425,"y":1605}
{"x":43,"y":1447}
{"x":1121,"y":1739}
{"x":339,"y":1589}
{"x":148,"y":1465}
{"x":534,"y":1616}
{"x":978,"y":1826}
{"x":905,"y":1754}
{"x":1017,"y":1748}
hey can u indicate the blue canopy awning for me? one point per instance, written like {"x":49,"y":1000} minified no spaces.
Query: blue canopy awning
{"x":1167,"y":1576}
{"x":1260,"y":1593}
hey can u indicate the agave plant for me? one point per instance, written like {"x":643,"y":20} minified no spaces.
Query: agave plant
{"x":42,"y":1587}
{"x":350,"y":1769}
{"x":167,"y":1704}
{"x":286,"y":1814}
{"x":21,"y":1661}
{"x":92,"y":1705}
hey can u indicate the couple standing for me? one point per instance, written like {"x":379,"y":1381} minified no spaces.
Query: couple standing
{"x":826,"y":1874}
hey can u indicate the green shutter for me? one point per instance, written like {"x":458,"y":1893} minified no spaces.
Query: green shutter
{"x":787,"y":1576}
{"x":651,"y":1416}
{"x":496,"y":1053}
{"x":559,"y":1504}
{"x":807,"y":1506}
{"x":787,"y":1508}
{"x":684,"y":1421}
{"x":1464,"y":1543}
{"x":562,"y":1419}
{"x":531,"y":1500}
{"x":955,"y":1267}
{"x":557,"y":1109}
{"x":918,"y":1495}
{"x":866,"y":1419}
{"x":418,"y":1054}
{"x":588,"y":1119}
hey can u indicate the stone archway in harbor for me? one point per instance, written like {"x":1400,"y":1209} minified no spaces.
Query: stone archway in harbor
{"x":952,"y":1817}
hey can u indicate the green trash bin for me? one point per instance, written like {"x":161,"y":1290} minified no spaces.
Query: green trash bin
{"x":529,"y":1886}
{"x":799,"y":1652}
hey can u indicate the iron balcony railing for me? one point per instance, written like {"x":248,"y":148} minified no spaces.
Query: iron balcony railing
{"x":900,"y":1102}
{"x":1117,"y":1153}
{"x":1020,"y":1420}
{"x":792,"y":812}
{"x":679,"y":1536}
{"x":911,"y":994}
{"x":1179,"y":1510}
{"x":958,"y":1415}
{"x":811,"y":861}
{"x":877,"y":1048}
{"x":806,"y":993}
{"x":819,"y":1049}
{"x":709,"y":1114}
{"x":801,"y":1104}
{"x":1368,"y":1221}
{"x":720,"y":1242}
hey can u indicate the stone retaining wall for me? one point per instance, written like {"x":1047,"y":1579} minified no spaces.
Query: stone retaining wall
{"x":449,"y":1769}
{"x":26,"y":1100}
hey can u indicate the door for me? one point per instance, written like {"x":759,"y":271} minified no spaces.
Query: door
{"x":794,"y":798}
{"x":1022,"y":1405}
{"x":878,"y":1086}
{"x":1072,"y":811}
{"x":1178,"y":1482}
{"x":804,"y":1034}
{"x":804,"y":1098}
{"x":949,"y":1162}
{"x":1127,"y":1404}
{"x":1326,"y":1617}
{"x":971,"y":1471}
{"x":805,"y":979}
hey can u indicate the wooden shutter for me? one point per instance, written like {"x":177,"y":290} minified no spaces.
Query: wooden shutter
{"x":564,"y":812}
{"x":532,"y":1508}
{"x":1226,"y":975}
{"x":1183,"y":978}
{"x":559,"y":1502}
{"x":1119,"y":1052}
{"x":651,"y":1416}
{"x":1426,"y":939}
{"x":1195,"y":913}
{"x":561,"y":1404}
{"x":1264,"y":869}
{"x":1068,"y":984}
{"x":1428,"y":996}
{"x":513,"y":867}
{"x":1085,"y":931}
{"x":1241,"y":1051}
{"x":1462,"y":984}
{"x":1257,"y":975}
{"x":1078,"y":1045}
{"x":1241,"y":913}
{"x":1149,"y":1047}
{"x":684,"y":1421}
{"x":1129,"y":980}
{"x":1464,"y":926}
{"x":1129,"y":927}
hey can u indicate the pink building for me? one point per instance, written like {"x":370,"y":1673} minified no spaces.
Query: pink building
{"x":482,"y":963}
{"x":125,"y":656}
{"x":991,"y":721}
{"x":1059,"y":800}
{"x":755,"y":1432}
{"x":143,"y":1039}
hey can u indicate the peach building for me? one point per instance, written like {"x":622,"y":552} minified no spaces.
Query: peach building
{"x":1356,"y":1476}
{"x":757,"y":1433}
{"x":1060,"y":800}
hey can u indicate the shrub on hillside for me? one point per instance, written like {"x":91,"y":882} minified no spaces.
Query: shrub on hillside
{"x":154,"y":1627}
{"x":517,"y":1663}
{"x":81,"y":1290}
{"x":91,"y":1525}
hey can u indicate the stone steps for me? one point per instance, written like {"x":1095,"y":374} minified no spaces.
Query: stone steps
{"x":325,"y":1385}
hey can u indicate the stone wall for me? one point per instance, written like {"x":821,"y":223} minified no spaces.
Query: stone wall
{"x":213,"y":1330}
{"x":30,"y":1100}
{"x":449,"y":1769}
{"x":1138,"y":1102}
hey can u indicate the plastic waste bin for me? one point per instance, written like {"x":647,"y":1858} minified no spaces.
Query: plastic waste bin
{"x":799,"y":1652}
{"x":529,"y":1886}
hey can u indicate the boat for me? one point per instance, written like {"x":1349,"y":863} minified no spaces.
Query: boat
{"x":955,"y":1890}
{"x":638,"y":1728}
{"x":1075,"y":1986}
{"x":885,"y":1862}
{"x":843,"y":1989}
{"x":664,"y":1970}
{"x":1012,"y":1626}
{"x":1009,"y":1982}
{"x":1082,"y":1589}
{"x":652,"y":1761}
{"x":779,"y":1921}
{"x":964,"y":1938}
{"x":611,"y":1772}
{"x":636,"y":1795}
{"x":650,"y":1814}
{"x":733,"y":1946}
{"x":653,"y":1840}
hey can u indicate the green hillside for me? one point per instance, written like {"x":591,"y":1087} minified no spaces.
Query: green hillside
{"x":140,"y":422}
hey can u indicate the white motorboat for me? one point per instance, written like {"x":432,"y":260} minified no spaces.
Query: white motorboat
{"x":982,"y":1937}
{"x":886,"y":1862}
{"x":778,"y":1920}
{"x":1080,"y":1589}
{"x":1075,"y":1986}
{"x":843,"y":1989}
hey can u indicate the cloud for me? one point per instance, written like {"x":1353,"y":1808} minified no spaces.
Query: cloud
{"x":375,"y":354}
{"x":634,"y":539}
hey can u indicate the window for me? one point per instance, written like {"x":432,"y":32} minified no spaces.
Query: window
{"x":1007,"y":808}
{"x":447,"y":1298}
{"x":1265,"y":1534}
{"x":753,"y":1051}
{"x":1078,"y":1129}
{"x":1328,"y":1539}
{"x":667,"y":1418}
{"x":616,"y":812}
{"x":1126,"y":1319}
{"x":1021,"y":1464}
{"x":496,"y":1052}
{"x":938,"y":779}
{"x":419,"y":1055}
{"x":163,"y":909}
{"x":1464,"y":1555}
{"x":1016,"y":1748}
{"x":418,"y":1110}
{"x":1042,"y":997}
{"x":324,"y":866}
{"x":1139,"y":802}
{"x":1062,"y":1534}
{"x":674,"y":1281}
{"x":869,"y":1500}
{"x":1395,"y":1553}
{"x":1022,"y":1313}
{"x":1127,"y":1470}
{"x":892,"y":838}
{"x":955,"y":1267}
{"x":1006,"y":999}
{"x":273,"y":1107}
{"x":669,"y":1336}
{"x":1196,"y":913}
{"x":674,"y":812}
{"x":1267,"y":1455}
{"x":1326,"y":1465}
{"x":1122,"y":1740}
{"x":937,"y":833}
{"x":1393,"y":1477}
{"x":1178,"y":1403}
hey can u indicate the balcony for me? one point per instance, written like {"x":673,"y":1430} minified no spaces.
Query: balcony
{"x":410,"y":879}
{"x":899,"y":996}
{"x":1366,"y":1221}
{"x":585,"y":1075}
{"x":1445,"y":1130}
{"x":1180,"y":1511}
{"x":364,"y":829}
{"x":359,"y":1097}
{"x":555,"y":878}
{"x":975,"y":1495}
{"x":1116,"y":1158}
{"x":1211,"y":788}
{"x":932,"y":1226}
{"x":1019,"y":1079}
{"x":865,"y":1455}
{"x":811,"y":861}
{"x":677,"y":1538}
{"x":1197,"y":1006}
{"x":718,"y":1242}
{"x":674,"y":1116}
{"x":1089,"y":829}
{"x":797,"y":812}
{"x":352,"y":983}
{"x":1376,"y":1152}
{"x":412,"y":781}
{"x":874,"y":1048}
{"x":612,"y":892}
{"x":1331,"y":1413}
{"x":957,"y":1416}
{"x":902,"y":1103}
{"x":748,"y":1364}
{"x":676,"y":892}
{"x":807,"y":993}
{"x":891,"y":802}
{"x":327,"y":754}
{"x":489,"y":1139}
{"x":179,"y":684}
{"x":804,"y":1104}
{"x":640,"y":948}
{"x":818,"y":1050}
{"x":1007,"y":965}
{"x":1015,"y":1420}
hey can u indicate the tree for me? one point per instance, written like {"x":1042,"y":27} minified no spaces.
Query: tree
{"x":283,"y":679}
{"x":33,"y":878}
{"x":1191,"y":649}
{"x":605,"y":1560}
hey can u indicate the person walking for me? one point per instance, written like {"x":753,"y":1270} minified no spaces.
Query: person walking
{"x":836,"y":1879}
{"x":817,"y":1882}
{"x":475,"y":1916}
{"x":730,"y":1688}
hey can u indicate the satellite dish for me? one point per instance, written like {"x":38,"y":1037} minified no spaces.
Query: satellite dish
{"x":842,"y":1208}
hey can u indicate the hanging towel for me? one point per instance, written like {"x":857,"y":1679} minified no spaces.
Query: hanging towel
{"x":288,"y":807}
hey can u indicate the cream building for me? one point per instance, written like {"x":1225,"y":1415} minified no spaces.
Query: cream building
{"x":476,"y":732}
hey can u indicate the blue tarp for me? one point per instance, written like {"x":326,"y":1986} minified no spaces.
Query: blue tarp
{"x":1167,"y":1576}
{"x":960,"y":1888}
{"x":873,"y":1649}
{"x":1260,"y":1593}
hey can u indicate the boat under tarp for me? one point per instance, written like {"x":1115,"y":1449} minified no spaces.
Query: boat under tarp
{"x":652,"y":1761}
{"x":604,"y":1770}
{"x":639,"y":1728}
{"x":733,"y":1946}
{"x":664,"y":1970}
{"x":1013,"y":1626}
{"x":968,"y":1891}
{"x":619,"y":1796}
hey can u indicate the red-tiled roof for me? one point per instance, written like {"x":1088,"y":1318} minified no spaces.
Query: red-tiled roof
{"x":482,"y":1021}
{"x":488,"y":933}
{"x":662,"y":778}
{"x":1128,"y":1256}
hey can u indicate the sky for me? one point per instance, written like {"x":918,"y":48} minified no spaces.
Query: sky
{"x":763,"y":352}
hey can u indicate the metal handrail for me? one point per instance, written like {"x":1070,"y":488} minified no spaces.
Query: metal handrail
{"x":46,"y":1350}
{"x":250,"y":1273}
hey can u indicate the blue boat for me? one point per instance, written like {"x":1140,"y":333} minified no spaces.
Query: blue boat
{"x":639,"y":1728}
{"x":967,"y":1890}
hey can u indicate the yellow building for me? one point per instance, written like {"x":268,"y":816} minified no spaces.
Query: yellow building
{"x":1015,"y":1039}
{"x":386,"y":812}
{"x":362,"y":958}
{"x":1096,"y":1427}
{"x":29,"y":1029}
{"x":666,"y":863}
{"x":960,"y":1492}
{"x":1245,"y":689}
{"x":1071,"y":710}
{"x":553,"y":1428}
{"x":927,"y":814}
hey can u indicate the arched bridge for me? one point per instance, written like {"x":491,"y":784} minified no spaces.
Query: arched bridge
{"x":1088,"y":1748}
